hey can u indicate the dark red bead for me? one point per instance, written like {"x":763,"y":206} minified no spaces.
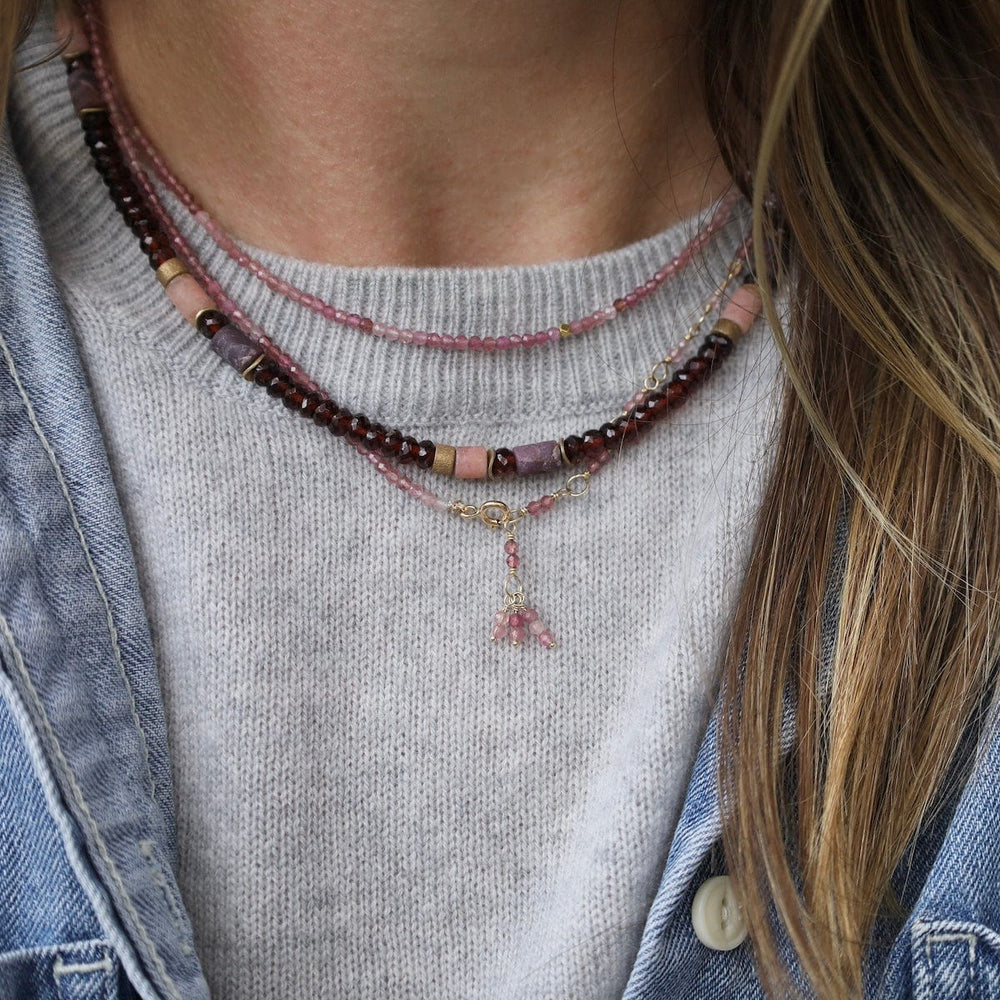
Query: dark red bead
{"x":593,"y":443}
{"x":153,"y":242}
{"x":324,"y":413}
{"x":312,"y":400}
{"x":709,"y":353}
{"x":696,"y":369}
{"x":425,"y":454}
{"x":408,"y":450}
{"x":391,"y":443}
{"x":341,"y":422}
{"x":642,"y":420}
{"x":366,"y":324}
{"x":210,"y":322}
{"x":573,"y":448}
{"x":611,"y":435}
{"x":722,"y":344}
{"x":278,"y":386}
{"x":657,"y":404}
{"x":357,"y":427}
{"x":621,"y":305}
{"x":676,"y":392}
{"x":80,"y":59}
{"x":158,"y":258}
{"x":294,"y":397}
{"x":627,"y":432}
{"x":264,"y":373}
{"x":375,"y":437}
{"x":114,"y":174}
{"x":504,"y":463}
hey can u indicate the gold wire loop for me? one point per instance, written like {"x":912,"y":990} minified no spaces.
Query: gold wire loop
{"x":513,"y":588}
{"x":578,"y":485}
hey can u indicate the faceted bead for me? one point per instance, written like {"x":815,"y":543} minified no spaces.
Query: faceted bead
{"x":510,"y":547}
{"x":157,"y":258}
{"x":517,"y":635}
{"x":324,"y":413}
{"x":547,"y":639}
{"x":515,"y":619}
{"x":593,"y":443}
{"x":536,"y":626}
{"x":513,"y":561}
{"x":210,"y":322}
{"x":294,"y":398}
{"x":504,"y":463}
{"x":311,"y":404}
{"x":657,"y":404}
{"x":722,"y":344}
{"x":357,"y":427}
{"x":610,"y":435}
{"x":340,"y":422}
{"x":425,"y":454}
{"x":529,"y":615}
{"x":408,"y":449}
{"x":695,"y":369}
{"x":676,"y":392}
{"x":392,"y":443}
{"x":573,"y":447}
{"x":264,"y":373}
{"x":375,"y":437}
{"x":278,"y":386}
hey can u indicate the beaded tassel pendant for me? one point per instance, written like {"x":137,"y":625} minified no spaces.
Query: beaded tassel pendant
{"x":515,"y":622}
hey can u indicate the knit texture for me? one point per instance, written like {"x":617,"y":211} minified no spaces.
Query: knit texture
{"x":373,"y":800}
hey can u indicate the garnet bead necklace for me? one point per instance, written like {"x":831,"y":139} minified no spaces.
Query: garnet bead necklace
{"x":245,"y":347}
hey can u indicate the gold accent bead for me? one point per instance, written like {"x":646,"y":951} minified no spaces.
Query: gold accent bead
{"x":728,"y":329}
{"x":169,"y":270}
{"x":564,"y":330}
{"x":247,"y":372}
{"x":201,"y":312}
{"x":490,"y":455}
{"x":444,"y":460}
{"x":562,"y":453}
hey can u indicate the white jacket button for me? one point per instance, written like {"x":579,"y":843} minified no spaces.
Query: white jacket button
{"x":717,"y":916}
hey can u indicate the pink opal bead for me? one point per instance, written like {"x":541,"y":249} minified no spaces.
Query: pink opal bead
{"x":188,"y":297}
{"x":744,"y":307}
{"x":470,"y":463}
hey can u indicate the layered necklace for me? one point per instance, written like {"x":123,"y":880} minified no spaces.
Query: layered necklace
{"x":127,"y":162}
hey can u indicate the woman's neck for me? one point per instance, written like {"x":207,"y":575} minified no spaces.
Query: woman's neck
{"x":425,"y":132}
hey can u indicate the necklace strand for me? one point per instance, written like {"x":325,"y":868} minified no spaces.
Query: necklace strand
{"x":515,"y":621}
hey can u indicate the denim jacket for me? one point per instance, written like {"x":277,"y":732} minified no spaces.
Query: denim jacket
{"x":89,"y":904}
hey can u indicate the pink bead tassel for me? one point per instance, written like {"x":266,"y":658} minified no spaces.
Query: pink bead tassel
{"x":516,"y":623}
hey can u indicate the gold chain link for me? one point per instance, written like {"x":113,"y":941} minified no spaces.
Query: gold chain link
{"x":497,"y":514}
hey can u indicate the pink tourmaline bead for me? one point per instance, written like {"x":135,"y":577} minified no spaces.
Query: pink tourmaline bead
{"x":514,"y":619}
{"x":553,"y":333}
{"x":461,"y":343}
{"x":536,"y":627}
{"x":534,"y":508}
{"x":420,"y":338}
{"x":329,"y":312}
{"x":489,"y":344}
{"x":499,"y":632}
{"x":433,"y":340}
{"x":517,"y":635}
{"x":547,"y":502}
{"x":188,"y":297}
{"x":475,"y":344}
{"x":547,"y":639}
{"x":515,"y":340}
{"x":503,"y":343}
{"x":354,"y":320}
{"x":631,"y":299}
{"x":576,"y":326}
{"x":513,"y":562}
{"x":500,"y":618}
{"x":510,"y":547}
{"x":529,"y":615}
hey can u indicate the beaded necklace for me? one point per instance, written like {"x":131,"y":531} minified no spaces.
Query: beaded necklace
{"x":246,"y":348}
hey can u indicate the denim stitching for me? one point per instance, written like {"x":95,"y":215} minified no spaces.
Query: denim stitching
{"x":112,"y":628}
{"x":147,"y":850}
{"x":61,"y":968}
{"x":70,"y":777}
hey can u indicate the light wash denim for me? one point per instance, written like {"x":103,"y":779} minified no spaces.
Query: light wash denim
{"x":89,"y":906}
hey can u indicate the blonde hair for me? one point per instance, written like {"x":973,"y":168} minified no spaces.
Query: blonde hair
{"x":871,"y":137}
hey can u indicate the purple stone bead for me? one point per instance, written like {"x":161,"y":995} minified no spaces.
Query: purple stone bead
{"x":235,"y":347}
{"x":543,"y":456}
{"x":84,"y":90}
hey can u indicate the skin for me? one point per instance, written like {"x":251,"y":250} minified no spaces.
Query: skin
{"x":425,"y":132}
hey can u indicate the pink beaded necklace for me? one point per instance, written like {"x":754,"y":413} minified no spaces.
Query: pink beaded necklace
{"x":245,"y":346}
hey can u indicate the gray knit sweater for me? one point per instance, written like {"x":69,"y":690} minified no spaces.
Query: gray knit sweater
{"x":373,"y":800}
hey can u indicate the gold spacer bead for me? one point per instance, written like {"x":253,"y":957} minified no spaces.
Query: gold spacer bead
{"x":728,"y":329}
{"x":444,"y":460}
{"x":68,"y":57}
{"x":169,"y":270}
{"x":247,"y":372}
{"x":201,"y":312}
{"x":562,"y":453}
{"x":490,"y":455}
{"x":564,"y":330}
